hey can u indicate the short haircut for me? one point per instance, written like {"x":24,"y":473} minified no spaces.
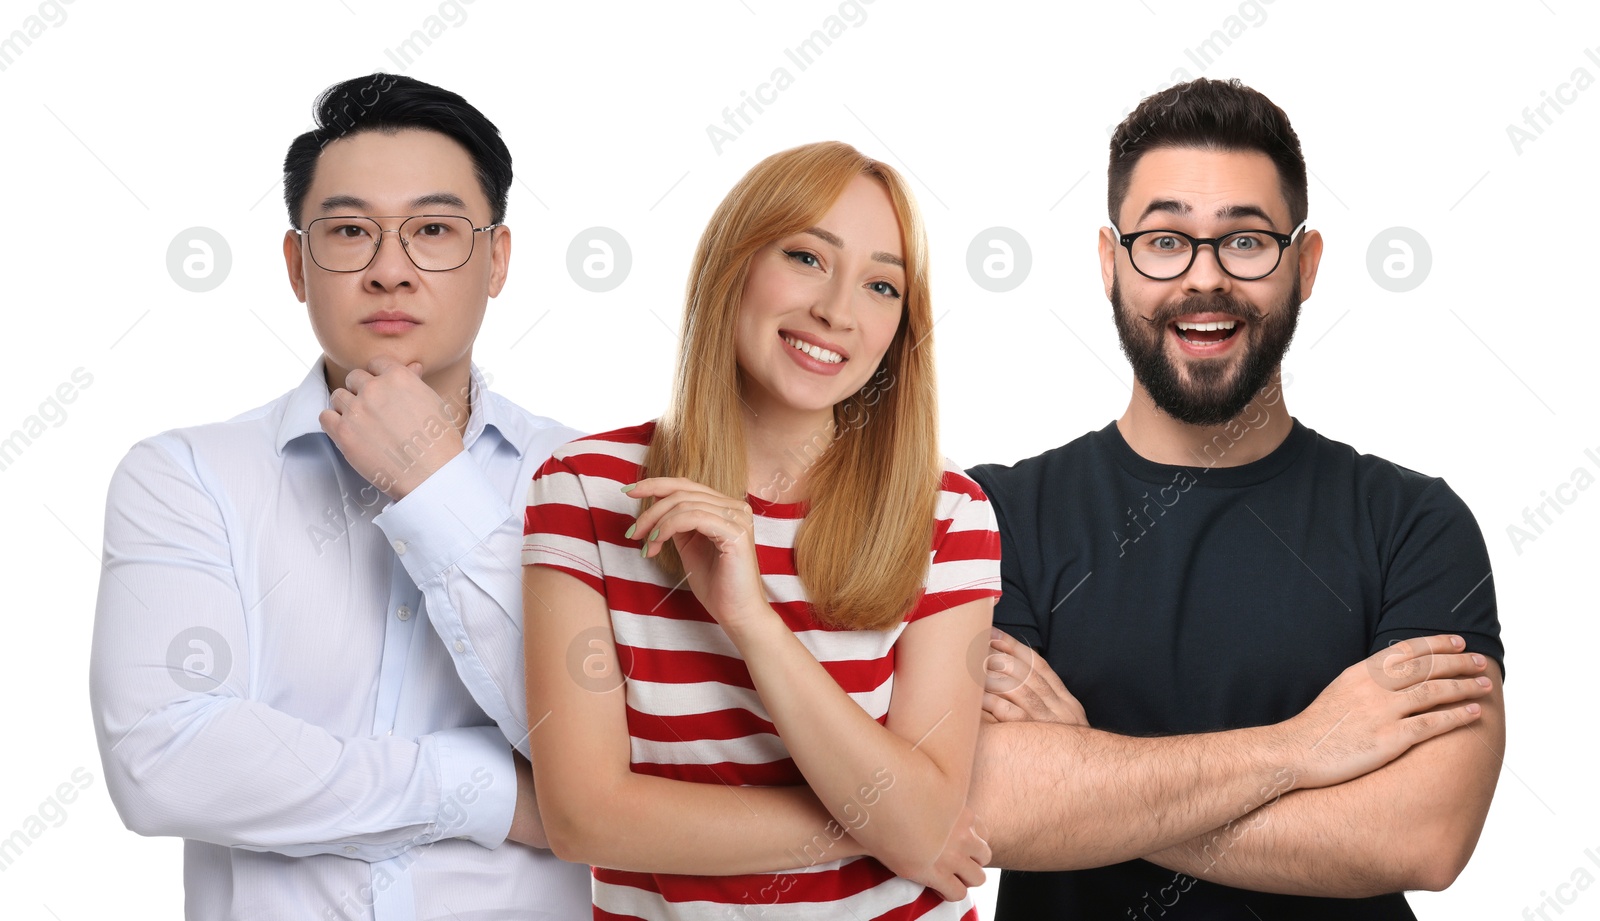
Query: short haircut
{"x":391,"y":103}
{"x":1208,"y":115}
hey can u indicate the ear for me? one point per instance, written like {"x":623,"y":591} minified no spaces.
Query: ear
{"x":295,"y":263}
{"x":1108,"y":258}
{"x":1310,"y":258}
{"x":500,"y":257}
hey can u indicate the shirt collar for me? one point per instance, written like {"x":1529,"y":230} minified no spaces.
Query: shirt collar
{"x":302,"y":412}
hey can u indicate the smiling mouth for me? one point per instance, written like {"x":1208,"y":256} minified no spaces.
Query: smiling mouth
{"x":1206,"y":333}
{"x":815,"y":351}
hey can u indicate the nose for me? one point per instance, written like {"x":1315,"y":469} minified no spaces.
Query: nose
{"x":835,"y":305}
{"x":391,"y":268}
{"x":1205,"y":273}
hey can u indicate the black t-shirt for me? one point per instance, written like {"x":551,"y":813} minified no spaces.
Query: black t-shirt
{"x":1176,"y":600}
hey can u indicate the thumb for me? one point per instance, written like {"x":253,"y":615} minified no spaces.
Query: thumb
{"x":415,"y":368}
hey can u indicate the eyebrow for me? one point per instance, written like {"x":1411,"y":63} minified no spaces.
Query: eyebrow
{"x":833,"y":240}
{"x":1225,"y":213}
{"x":447,"y":199}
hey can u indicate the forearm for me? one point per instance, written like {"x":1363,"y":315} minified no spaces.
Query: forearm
{"x":1062,"y":797}
{"x":462,"y":545}
{"x":653,"y":824}
{"x":240,"y":774}
{"x":1410,"y":825}
{"x":896,"y":799}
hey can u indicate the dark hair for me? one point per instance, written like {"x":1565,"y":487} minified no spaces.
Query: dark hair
{"x":389,"y":103}
{"x":1214,"y":115}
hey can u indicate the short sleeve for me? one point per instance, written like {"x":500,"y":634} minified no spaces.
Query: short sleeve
{"x":1014,"y":612}
{"x":558,"y":527}
{"x":966,"y":549}
{"x":1438,"y":578}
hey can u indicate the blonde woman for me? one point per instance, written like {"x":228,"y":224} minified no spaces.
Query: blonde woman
{"x":748,"y":623}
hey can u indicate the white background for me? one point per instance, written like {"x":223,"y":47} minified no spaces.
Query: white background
{"x":125,"y":123}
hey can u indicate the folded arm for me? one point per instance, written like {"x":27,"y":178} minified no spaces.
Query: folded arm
{"x":1061,"y":796}
{"x":188,"y":752}
{"x":1412,"y":824}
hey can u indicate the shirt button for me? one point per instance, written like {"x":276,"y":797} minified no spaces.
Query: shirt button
{"x":400,"y":547}
{"x":349,"y":848}
{"x":460,"y":646}
{"x":404,"y":613}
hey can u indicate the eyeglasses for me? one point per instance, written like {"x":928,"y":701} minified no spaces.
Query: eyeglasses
{"x":1247,"y":255}
{"x":433,"y":242}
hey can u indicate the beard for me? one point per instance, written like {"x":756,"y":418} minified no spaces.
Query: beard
{"x":1210,"y":391}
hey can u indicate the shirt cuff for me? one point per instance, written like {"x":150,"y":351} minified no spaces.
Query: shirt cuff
{"x":440,"y":521}
{"x":477,"y":785}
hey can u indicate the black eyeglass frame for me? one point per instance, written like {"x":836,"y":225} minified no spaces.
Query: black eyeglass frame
{"x":404,"y":246}
{"x":1284,"y":241}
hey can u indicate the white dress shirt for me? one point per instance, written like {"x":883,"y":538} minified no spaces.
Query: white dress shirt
{"x":266,"y":682}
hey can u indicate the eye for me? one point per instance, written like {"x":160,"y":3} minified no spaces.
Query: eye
{"x":885,"y":289}
{"x":352,"y":231}
{"x":434,"y":229}
{"x":802,"y":257}
{"x":1165,"y":243}
{"x":1247,"y":242}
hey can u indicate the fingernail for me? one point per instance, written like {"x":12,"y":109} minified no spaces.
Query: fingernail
{"x":1473,"y":709}
{"x":655,"y":534}
{"x":644,"y":550}
{"x":1457,"y":642}
{"x":628,"y":534}
{"x":629,"y":486}
{"x":1477,"y":660}
{"x":1483,"y":682}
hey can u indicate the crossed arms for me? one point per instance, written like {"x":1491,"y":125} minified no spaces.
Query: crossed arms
{"x":1382,"y":784}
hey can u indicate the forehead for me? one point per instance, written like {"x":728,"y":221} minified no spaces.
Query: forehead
{"x":864,"y":215}
{"x":1207,"y":181}
{"x":389,"y":170}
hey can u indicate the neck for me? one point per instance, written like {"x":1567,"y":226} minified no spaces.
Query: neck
{"x":781,"y":448}
{"x":1251,"y":435}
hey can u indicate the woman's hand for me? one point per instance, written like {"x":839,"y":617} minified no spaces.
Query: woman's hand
{"x":715,"y":538}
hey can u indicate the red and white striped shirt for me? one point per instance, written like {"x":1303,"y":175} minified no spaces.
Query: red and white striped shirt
{"x":692,"y":709}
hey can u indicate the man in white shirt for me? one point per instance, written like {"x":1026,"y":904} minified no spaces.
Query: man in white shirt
{"x":271,"y":678}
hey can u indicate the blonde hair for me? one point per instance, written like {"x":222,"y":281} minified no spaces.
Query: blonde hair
{"x":860,"y":571}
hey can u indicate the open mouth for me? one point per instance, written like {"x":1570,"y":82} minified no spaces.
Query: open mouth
{"x":1208,"y":333}
{"x":815,"y":351}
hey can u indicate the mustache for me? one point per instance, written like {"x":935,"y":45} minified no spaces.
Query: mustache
{"x":1204,"y":303}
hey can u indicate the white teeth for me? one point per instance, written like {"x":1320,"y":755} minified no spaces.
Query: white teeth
{"x":817,"y":352}
{"x":1209,"y":327}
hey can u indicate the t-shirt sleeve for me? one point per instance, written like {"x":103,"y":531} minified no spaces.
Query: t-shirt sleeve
{"x":966,"y":549}
{"x":1438,"y":578}
{"x":558,"y":527}
{"x":1013,"y":613}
